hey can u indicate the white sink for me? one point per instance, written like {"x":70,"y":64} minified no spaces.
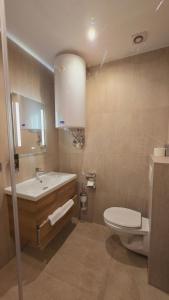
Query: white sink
{"x":33,"y":189}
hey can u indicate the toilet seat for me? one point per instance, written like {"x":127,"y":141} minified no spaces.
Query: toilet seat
{"x":130,"y":226}
{"x":123,"y":217}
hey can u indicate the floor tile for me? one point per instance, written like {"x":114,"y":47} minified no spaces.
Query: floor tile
{"x":147,"y":291}
{"x":69,"y":270}
{"x":46,"y":287}
{"x":120,"y":284}
{"x":87,"y":262}
{"x":31,"y":268}
{"x":92,"y":254}
{"x":93,"y":231}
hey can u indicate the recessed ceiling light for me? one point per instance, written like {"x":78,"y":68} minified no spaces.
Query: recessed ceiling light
{"x":91,"y":34}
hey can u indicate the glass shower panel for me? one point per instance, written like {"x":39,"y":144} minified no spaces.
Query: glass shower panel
{"x":101,"y":41}
{"x":10,"y":258}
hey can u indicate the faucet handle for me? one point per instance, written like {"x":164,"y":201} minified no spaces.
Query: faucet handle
{"x":39,"y":170}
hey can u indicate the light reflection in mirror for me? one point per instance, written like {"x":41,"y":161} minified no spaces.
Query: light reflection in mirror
{"x":18,"y":129}
{"x":42,"y":128}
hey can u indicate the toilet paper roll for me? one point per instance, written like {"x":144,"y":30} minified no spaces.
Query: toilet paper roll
{"x":90,"y":183}
{"x":159,"y":151}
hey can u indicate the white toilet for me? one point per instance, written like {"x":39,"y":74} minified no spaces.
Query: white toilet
{"x":130,"y":226}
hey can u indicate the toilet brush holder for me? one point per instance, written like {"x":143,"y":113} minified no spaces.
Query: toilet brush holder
{"x":83,"y":201}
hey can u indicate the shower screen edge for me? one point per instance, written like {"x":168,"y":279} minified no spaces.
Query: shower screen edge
{"x":11,"y":145}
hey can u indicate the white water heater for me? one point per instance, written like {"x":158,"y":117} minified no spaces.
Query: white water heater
{"x":70,"y":88}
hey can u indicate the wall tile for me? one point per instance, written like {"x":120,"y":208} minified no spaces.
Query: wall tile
{"x":127,"y":116}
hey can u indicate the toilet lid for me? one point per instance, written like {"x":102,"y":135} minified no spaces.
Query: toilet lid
{"x":123,"y":217}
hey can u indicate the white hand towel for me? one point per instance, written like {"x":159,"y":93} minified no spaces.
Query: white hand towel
{"x":60,"y":212}
{"x":55,"y":216}
{"x":68,"y":205}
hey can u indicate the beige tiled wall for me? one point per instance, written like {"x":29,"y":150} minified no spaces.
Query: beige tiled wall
{"x":127,"y":115}
{"x":30,"y":79}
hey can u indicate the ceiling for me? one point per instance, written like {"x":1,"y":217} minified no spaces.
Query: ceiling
{"x":48,"y":27}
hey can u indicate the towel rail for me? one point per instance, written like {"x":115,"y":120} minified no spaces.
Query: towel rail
{"x":38,"y":227}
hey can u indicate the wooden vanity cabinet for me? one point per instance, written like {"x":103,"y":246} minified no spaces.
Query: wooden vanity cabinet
{"x":35,"y":230}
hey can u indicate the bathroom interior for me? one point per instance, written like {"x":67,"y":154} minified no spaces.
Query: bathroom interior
{"x":84,"y":150}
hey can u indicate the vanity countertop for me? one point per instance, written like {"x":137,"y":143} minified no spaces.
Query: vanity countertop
{"x":34,"y":189}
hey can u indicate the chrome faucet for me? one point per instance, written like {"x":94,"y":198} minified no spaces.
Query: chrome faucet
{"x":38,"y":173}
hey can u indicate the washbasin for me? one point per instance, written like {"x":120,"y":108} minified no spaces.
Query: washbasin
{"x":34,"y":189}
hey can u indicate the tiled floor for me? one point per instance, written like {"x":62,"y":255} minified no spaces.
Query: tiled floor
{"x":91,"y":264}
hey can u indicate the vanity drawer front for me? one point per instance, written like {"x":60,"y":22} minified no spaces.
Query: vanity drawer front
{"x":51,"y":202}
{"x":47,"y":232}
{"x":34,"y":213}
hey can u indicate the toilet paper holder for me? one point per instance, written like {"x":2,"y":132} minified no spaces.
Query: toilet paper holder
{"x":91,"y":180}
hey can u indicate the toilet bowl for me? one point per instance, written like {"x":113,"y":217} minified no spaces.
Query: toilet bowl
{"x":130,"y":226}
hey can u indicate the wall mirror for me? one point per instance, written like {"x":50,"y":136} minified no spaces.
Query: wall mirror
{"x":28,"y":125}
